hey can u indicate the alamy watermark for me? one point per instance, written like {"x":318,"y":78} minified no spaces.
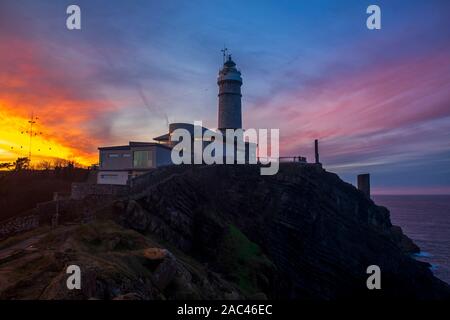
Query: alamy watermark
{"x":374,"y":280}
{"x":73,"y":21}
{"x":231,"y":146}
{"x":373,"y":22}
{"x":74,"y":280}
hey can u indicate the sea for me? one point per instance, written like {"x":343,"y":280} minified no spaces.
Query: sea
{"x":426,"y":220}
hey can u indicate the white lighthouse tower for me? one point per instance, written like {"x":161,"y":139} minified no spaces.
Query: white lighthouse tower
{"x":230,"y":82}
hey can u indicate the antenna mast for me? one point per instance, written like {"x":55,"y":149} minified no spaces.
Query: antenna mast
{"x":31,"y":132}
{"x":224,"y":53}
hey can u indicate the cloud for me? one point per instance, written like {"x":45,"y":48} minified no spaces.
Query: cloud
{"x":367,"y":115}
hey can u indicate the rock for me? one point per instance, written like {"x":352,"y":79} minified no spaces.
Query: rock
{"x":165,"y":272}
{"x":319,"y":232}
{"x":405,"y":243}
{"x":155,"y":253}
{"x":226,"y":232}
{"x":129,"y":296}
{"x":258,"y":296}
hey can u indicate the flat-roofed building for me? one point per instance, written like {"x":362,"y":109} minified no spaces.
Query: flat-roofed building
{"x":118,"y":164}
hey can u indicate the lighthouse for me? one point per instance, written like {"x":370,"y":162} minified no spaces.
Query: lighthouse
{"x":229,"y":82}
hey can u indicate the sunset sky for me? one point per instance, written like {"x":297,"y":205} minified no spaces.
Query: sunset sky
{"x":378,"y":101}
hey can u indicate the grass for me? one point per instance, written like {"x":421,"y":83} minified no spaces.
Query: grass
{"x":242,"y":260}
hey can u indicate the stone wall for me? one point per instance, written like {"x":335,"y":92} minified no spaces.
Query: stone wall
{"x":82,"y":190}
{"x":84,"y":200}
{"x":17,"y":225}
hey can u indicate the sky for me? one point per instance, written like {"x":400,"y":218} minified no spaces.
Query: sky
{"x":377,"y":100}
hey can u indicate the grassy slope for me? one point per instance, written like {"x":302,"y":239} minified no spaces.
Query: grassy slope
{"x":243,"y":261}
{"x":115,"y":253}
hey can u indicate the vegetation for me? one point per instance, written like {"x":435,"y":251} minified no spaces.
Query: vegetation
{"x":18,"y":165}
{"x":243,"y":261}
{"x":23,"y":163}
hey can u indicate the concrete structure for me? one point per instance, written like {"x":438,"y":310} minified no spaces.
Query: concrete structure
{"x":364,"y":183}
{"x":244,"y":147}
{"x":230,"y":82}
{"x":166,"y":139}
{"x":120,"y":163}
{"x":316,"y":151}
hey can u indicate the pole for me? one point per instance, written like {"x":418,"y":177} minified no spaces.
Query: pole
{"x":316,"y":150}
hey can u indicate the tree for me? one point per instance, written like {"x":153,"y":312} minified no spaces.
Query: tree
{"x":44,"y":165}
{"x":5,"y":165}
{"x":21,"y":164}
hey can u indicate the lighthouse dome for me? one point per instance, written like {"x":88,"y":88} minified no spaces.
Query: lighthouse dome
{"x":229,"y":72}
{"x":230,"y":63}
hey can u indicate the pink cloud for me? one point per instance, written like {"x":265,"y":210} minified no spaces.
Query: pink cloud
{"x":365,"y":111}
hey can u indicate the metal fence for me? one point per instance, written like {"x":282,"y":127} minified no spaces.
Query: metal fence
{"x":297,"y":159}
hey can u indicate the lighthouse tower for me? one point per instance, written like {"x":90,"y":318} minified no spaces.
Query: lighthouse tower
{"x":230,"y":82}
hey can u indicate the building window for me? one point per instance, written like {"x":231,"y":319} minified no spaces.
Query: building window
{"x":109,"y":176}
{"x":126,"y":155}
{"x":113,"y":155}
{"x":142,"y":159}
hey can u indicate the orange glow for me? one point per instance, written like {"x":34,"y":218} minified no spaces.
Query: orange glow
{"x":14,"y":142}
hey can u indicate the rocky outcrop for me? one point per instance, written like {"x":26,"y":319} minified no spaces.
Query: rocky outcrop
{"x":115,"y":263}
{"x":222,"y":232}
{"x":319,"y":232}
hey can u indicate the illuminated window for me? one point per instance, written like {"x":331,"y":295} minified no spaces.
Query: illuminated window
{"x":142,"y":159}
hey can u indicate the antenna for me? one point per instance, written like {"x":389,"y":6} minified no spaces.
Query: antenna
{"x":224,"y":53}
{"x":31,"y":133}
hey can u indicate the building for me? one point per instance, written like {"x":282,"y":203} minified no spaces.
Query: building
{"x":119,"y":164}
{"x":229,"y":82}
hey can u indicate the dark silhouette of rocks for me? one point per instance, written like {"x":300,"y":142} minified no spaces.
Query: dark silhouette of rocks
{"x":223,"y":232}
{"x":319,"y":233}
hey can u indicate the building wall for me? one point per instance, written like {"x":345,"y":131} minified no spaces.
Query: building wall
{"x":116,"y":159}
{"x":230,"y":114}
{"x":163,"y":157}
{"x":118,"y":169}
{"x":112,"y":177}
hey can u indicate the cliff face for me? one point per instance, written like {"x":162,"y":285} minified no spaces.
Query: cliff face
{"x":224,"y":232}
{"x":317,"y":234}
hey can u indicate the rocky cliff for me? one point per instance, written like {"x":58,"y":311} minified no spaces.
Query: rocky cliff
{"x":226,"y":232}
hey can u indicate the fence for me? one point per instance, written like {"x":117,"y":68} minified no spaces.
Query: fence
{"x":297,"y":159}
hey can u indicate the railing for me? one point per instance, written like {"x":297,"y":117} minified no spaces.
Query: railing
{"x":297,"y":159}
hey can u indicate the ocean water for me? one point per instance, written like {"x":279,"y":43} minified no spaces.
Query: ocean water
{"x":426,"y":220}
